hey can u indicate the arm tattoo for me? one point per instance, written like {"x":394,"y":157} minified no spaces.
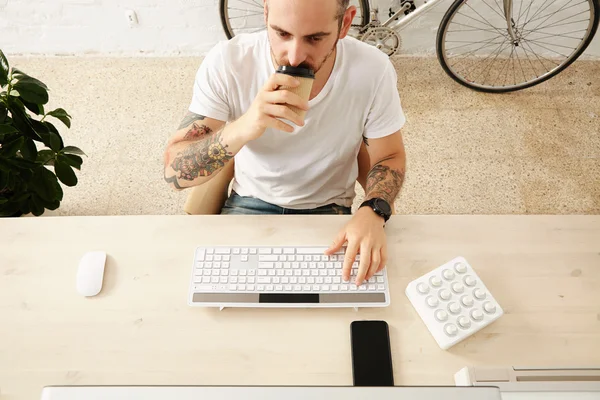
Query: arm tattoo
{"x":189,"y":118}
{"x":196,"y":131}
{"x":202,"y":158}
{"x":384,"y":182}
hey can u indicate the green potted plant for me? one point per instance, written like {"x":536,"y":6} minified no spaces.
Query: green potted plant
{"x":33,"y":157}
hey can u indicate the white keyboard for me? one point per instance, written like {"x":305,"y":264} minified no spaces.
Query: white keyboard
{"x":453,"y":302}
{"x":263,"y":276}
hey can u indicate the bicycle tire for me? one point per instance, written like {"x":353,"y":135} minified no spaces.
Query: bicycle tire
{"x":595,"y":14}
{"x":364,"y":4}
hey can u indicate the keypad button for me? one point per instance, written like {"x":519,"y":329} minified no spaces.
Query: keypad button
{"x":467,"y":301}
{"x":469,"y":280}
{"x":464,"y":322}
{"x":432,"y":301}
{"x":454,"y":308}
{"x":435,"y":281}
{"x":445,"y":294}
{"x":448,"y":274}
{"x":421,"y":288}
{"x":450,"y":329}
{"x":441,"y":315}
{"x":477,"y":315}
{"x":458,"y":287}
{"x":460,"y":267}
{"x":489,"y":308}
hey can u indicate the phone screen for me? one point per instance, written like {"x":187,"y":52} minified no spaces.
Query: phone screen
{"x":371,"y":354}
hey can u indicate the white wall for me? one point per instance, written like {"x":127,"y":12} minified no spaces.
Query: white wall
{"x":166,"y":27}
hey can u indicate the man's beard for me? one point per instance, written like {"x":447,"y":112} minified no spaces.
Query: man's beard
{"x":313,"y":67}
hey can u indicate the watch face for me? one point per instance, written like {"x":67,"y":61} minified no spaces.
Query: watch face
{"x":383,"y":206}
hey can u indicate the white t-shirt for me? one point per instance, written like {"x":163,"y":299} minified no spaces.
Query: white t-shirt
{"x":317,"y":164}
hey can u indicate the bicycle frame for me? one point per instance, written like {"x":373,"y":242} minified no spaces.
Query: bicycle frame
{"x":406,"y":20}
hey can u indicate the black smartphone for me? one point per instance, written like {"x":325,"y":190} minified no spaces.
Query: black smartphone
{"x":371,"y":354}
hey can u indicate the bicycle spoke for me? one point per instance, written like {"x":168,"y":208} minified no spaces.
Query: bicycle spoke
{"x":550,"y":16}
{"x":549,"y":44}
{"x":493,"y":9}
{"x":586,"y":11}
{"x":244,"y":16}
{"x":473,"y":51}
{"x":542,"y":9}
{"x":538,"y":57}
{"x":468,"y":5}
{"x":522,"y":70}
{"x":253,"y":4}
{"x":529,"y":42}
{"x":519,"y":14}
{"x":500,"y":8}
{"x":555,"y":35}
{"x":479,"y":29}
{"x":501,"y":48}
{"x":530,"y":63}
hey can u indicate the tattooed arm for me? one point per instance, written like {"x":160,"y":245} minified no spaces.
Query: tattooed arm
{"x":199,"y":149}
{"x":388,"y":166}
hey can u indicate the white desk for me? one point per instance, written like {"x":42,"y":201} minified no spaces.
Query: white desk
{"x":544,"y":271}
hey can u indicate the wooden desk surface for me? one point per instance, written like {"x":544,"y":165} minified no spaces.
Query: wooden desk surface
{"x":543,"y":270}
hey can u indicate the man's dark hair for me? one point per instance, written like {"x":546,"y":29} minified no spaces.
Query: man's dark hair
{"x":342,"y":7}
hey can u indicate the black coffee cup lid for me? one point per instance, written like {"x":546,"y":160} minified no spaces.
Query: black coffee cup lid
{"x":296,"y":71}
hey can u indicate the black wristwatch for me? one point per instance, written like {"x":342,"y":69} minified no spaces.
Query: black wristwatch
{"x":380,"y":206}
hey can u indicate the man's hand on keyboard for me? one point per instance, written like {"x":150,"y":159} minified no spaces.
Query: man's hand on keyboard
{"x":365,"y":235}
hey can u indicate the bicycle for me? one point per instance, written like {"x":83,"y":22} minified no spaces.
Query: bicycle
{"x":497,"y":28}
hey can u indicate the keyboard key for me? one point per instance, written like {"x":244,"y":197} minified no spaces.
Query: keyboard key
{"x":234,"y":272}
{"x":200,"y":254}
{"x":243,"y":272}
{"x":226,"y":258}
{"x":206,"y":272}
{"x":217,"y":258}
{"x":280,"y":272}
{"x":275,"y":279}
{"x":285,"y":280}
{"x":279,"y":264}
{"x":262,"y":272}
{"x":307,"y":258}
{"x":267,"y":258}
{"x":323,"y":272}
{"x":210,"y":250}
{"x":320,"y":279}
{"x":251,"y":279}
{"x":316,"y":288}
{"x":287,"y":265}
{"x":337,"y":279}
{"x":363,"y":288}
{"x":335,"y":288}
{"x":304,"y":265}
{"x":251,"y":272}
{"x":264,"y":250}
{"x":293,"y":280}
{"x":270,"y":288}
{"x":299,"y":258}
{"x":236,"y":251}
{"x":260,"y":288}
{"x":288,"y":288}
{"x":244,"y":258}
{"x":225,"y":265}
{"x":302,"y":280}
{"x":298,"y":272}
{"x":380,"y":279}
{"x":223,"y":279}
{"x":311,"y":250}
{"x":263,"y":279}
{"x":266,"y":265}
{"x":245,"y":250}
{"x":271,"y":272}
{"x":241,"y":287}
{"x":215,"y":272}
{"x":289,"y":250}
{"x":279,"y":288}
{"x":216,"y":264}
{"x":332,"y":272}
{"x":298,"y":288}
{"x":380,"y":286}
{"x":208,"y":264}
{"x":307,"y":288}
{"x":289,"y":272}
{"x":209,"y":257}
{"x":223,"y":250}
{"x":291,"y":258}
{"x":321,"y":265}
{"x":253,"y":251}
{"x":325,"y":288}
{"x":344,"y":288}
{"x":233,"y":287}
{"x":198,"y":279}
{"x":250,"y":288}
{"x":312,"y":265}
{"x":277,"y":251}
{"x":329,"y":280}
{"x":242,"y":279}
{"x":310,"y":280}
{"x":224,"y":272}
{"x":233,"y":279}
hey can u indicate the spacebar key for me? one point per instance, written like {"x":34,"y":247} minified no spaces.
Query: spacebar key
{"x":288,"y":298}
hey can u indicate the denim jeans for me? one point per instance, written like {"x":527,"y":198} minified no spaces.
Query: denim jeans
{"x":237,"y":205}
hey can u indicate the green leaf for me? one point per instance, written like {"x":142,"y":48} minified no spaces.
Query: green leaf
{"x":51,"y":205}
{"x":37,"y":208}
{"x":22,"y":122}
{"x":44,"y":156}
{"x":22,"y":163}
{"x":32,"y":91}
{"x":3,"y":69}
{"x":44,"y":184}
{"x":29,"y":150}
{"x":20,"y":75}
{"x":71,"y":159}
{"x":61,"y":115}
{"x":20,"y":197}
{"x":73,"y":150}
{"x":55,"y":142}
{"x":65,"y":173}
{"x":6,"y":129}
{"x":10,"y":149}
{"x":9,"y":209}
{"x":37,"y":109}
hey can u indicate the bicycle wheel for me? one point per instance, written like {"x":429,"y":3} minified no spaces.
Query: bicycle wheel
{"x":246,"y":16}
{"x":475,"y":48}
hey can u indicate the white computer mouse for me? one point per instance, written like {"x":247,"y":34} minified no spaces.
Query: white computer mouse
{"x":90,"y":273}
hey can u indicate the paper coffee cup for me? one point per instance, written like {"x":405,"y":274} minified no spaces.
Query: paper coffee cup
{"x":306,"y":78}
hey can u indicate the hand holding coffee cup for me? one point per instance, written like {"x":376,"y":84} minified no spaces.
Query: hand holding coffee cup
{"x":273,"y":101}
{"x":306,"y":78}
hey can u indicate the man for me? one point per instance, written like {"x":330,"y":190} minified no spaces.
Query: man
{"x":310,"y":167}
